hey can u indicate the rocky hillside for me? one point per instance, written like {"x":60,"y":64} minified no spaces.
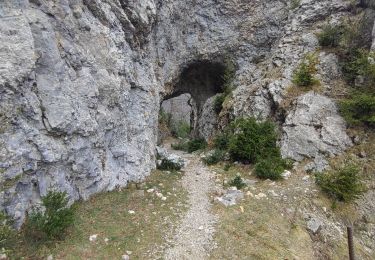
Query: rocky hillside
{"x":81,"y":82}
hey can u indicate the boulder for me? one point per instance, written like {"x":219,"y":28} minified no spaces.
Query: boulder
{"x":313,"y":128}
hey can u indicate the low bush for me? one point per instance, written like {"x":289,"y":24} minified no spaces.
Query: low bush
{"x":237,"y":182}
{"x":6,"y":230}
{"x":180,"y":129}
{"x":227,"y":79}
{"x":359,"y":109}
{"x":251,"y":140}
{"x":218,"y":102}
{"x":215,"y":157}
{"x":360,"y":64}
{"x":330,"y":36}
{"x":52,"y":222}
{"x":303,"y":75}
{"x":168,"y":165}
{"x":221,"y":141}
{"x":190,"y":145}
{"x":196,"y":144}
{"x":343,"y":184}
{"x":270,"y":168}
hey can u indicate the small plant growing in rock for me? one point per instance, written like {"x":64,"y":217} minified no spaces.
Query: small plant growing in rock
{"x":52,"y":222}
{"x":168,"y":165}
{"x":237,"y":182}
{"x":227,"y":87}
{"x":215,"y":157}
{"x":294,"y":4}
{"x":303,"y":75}
{"x":343,"y":184}
{"x":330,"y":36}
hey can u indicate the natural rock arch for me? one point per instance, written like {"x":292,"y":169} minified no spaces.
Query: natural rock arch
{"x":202,"y":80}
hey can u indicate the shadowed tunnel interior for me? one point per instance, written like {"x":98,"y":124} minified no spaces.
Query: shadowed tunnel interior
{"x":201,"y":80}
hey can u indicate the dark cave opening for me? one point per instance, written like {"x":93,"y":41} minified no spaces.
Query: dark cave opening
{"x":198,"y":82}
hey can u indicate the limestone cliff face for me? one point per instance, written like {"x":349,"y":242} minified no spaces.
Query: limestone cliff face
{"x":81,"y":81}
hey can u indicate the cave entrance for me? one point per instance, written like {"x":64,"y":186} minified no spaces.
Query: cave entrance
{"x":189,"y":103}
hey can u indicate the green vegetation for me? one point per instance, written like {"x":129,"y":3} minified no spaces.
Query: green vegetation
{"x":359,"y":109}
{"x":294,"y":4}
{"x":303,"y":75}
{"x":190,"y":145}
{"x":180,"y":129}
{"x":108,"y":215}
{"x":252,"y":140}
{"x":360,"y":64}
{"x":53,"y":222}
{"x":330,"y":36}
{"x":215,"y":157}
{"x":343,"y":184}
{"x":237,"y":182}
{"x":270,"y":168}
{"x":249,"y":141}
{"x":6,"y":232}
{"x":227,"y":87}
{"x":167,"y":165}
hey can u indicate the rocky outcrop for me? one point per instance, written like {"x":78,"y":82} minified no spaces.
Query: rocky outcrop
{"x":81,"y":81}
{"x":313,"y":128}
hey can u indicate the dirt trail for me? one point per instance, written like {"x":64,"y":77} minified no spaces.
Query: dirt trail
{"x":194,"y":236}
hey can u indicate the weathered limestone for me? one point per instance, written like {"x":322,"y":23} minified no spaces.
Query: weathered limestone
{"x":81,"y":83}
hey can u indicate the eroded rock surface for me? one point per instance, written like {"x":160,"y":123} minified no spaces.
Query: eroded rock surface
{"x":313,"y":128}
{"x":81,"y":83}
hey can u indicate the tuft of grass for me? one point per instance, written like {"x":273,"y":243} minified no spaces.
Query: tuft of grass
{"x":180,"y":129}
{"x":342,"y":185}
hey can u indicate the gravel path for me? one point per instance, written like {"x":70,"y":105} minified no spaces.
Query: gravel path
{"x":194,"y":236}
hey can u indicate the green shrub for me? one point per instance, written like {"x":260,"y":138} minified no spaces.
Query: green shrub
{"x":360,"y":63}
{"x":167,"y":165}
{"x":182,"y":145}
{"x":6,"y":231}
{"x":343,"y":184}
{"x":164,"y":117}
{"x":303,"y":75}
{"x":190,"y":145}
{"x":270,"y":168}
{"x":330,"y":36}
{"x":196,"y":144}
{"x":227,"y":79}
{"x":237,"y":182}
{"x":221,"y":141}
{"x":215,"y":157}
{"x":181,"y":129}
{"x":251,"y":140}
{"x":218,"y":102}
{"x":54,"y":220}
{"x":359,"y":109}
